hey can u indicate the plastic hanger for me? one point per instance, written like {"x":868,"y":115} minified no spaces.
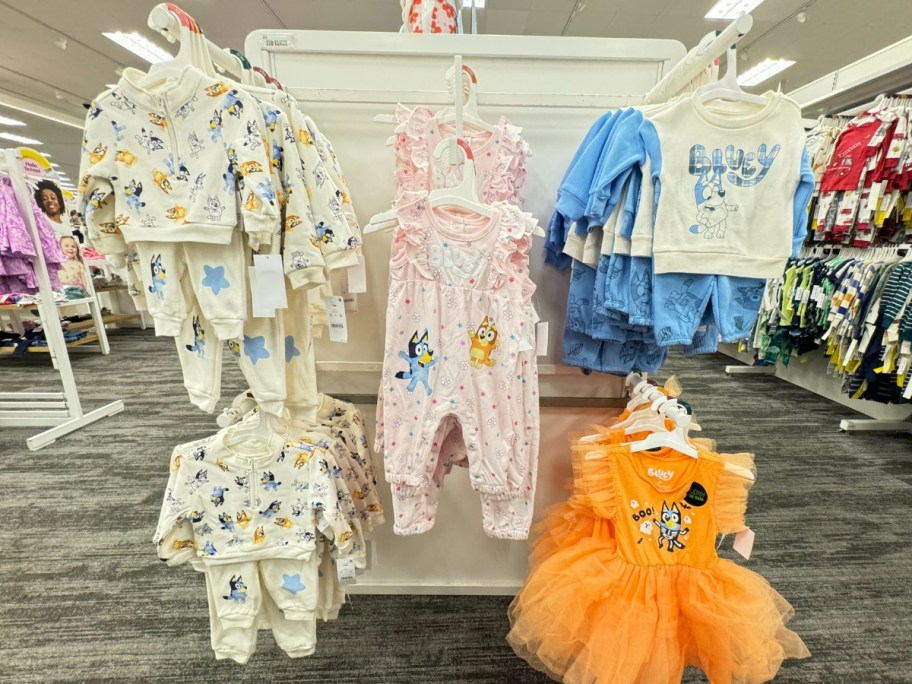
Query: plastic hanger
{"x":664,"y":438}
{"x":465,"y":194}
{"x":177,"y":26}
{"x":469,"y":93}
{"x":727,"y":88}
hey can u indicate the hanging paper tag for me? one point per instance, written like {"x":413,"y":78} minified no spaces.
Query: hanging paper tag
{"x":271,"y":278}
{"x":322,"y":523}
{"x":259,"y":301}
{"x":357,"y":277}
{"x":541,"y":338}
{"x":350,"y":299}
{"x":338,"y":326}
{"x":874,"y":196}
{"x":744,"y":542}
{"x":345,"y":569}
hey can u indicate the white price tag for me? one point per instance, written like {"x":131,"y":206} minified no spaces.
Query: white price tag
{"x":259,"y":301}
{"x":322,"y":524}
{"x":541,"y":338}
{"x":271,"y":279}
{"x":357,"y":277}
{"x":874,"y":196}
{"x":335,"y":312}
{"x":345,"y":569}
{"x":744,"y":542}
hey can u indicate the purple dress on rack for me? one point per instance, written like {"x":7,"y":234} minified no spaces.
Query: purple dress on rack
{"x":17,"y":253}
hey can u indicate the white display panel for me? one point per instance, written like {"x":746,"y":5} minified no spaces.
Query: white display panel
{"x":554,"y":89}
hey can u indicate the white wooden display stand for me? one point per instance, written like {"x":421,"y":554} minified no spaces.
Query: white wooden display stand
{"x":60,"y":411}
{"x":554,"y":88}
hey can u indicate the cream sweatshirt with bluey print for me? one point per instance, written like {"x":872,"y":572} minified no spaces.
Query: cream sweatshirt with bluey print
{"x":165,"y":165}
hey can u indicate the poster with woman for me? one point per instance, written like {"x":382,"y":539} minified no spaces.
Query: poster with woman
{"x":49,"y":198}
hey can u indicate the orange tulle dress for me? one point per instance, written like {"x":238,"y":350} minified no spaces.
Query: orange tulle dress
{"x":625,"y":585}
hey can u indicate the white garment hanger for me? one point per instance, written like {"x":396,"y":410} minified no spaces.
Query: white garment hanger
{"x":662,"y":437}
{"x":177,"y":26}
{"x":464,"y":195}
{"x":727,"y":88}
{"x":468,"y":91}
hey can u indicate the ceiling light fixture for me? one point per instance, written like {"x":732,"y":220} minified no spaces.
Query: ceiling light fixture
{"x":139,"y":46}
{"x":764,"y":70}
{"x":41,"y":113}
{"x":731,"y":9}
{"x":6,"y":121}
{"x":19,"y":138}
{"x":477,"y":4}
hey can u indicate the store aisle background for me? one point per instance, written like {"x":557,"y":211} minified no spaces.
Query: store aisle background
{"x":85,"y":598}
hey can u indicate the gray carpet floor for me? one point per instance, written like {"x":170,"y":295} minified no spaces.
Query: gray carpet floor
{"x":85,"y":599}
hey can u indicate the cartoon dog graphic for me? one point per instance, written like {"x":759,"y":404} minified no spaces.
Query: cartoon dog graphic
{"x":484,"y":342}
{"x":237,"y":590}
{"x":176,"y":213}
{"x":420,"y":359}
{"x":125,"y":157}
{"x":217,"y":89}
{"x":161,"y":180}
{"x":199,"y":339}
{"x":670,"y":527}
{"x":159,"y":277}
{"x":133,"y":191}
{"x":98,"y":154}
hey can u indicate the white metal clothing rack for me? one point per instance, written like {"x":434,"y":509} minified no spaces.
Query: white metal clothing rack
{"x":60,"y":411}
{"x":554,"y":88}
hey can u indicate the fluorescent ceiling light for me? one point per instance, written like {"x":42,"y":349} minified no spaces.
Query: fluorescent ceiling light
{"x":731,"y":9}
{"x":20,"y":138}
{"x":46,"y":156}
{"x":6,"y":121}
{"x":766,"y":69}
{"x":478,"y":4}
{"x":140,"y":46}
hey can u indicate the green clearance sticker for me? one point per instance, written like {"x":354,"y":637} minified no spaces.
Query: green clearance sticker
{"x":696,"y":495}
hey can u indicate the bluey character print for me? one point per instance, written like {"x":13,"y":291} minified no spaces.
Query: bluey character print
{"x":299,"y":260}
{"x":278,"y":157}
{"x":197,"y":480}
{"x":253,"y":138}
{"x":670,"y":527}
{"x":271,"y":509}
{"x":118,"y":131}
{"x":335,"y":204}
{"x":181,"y":173}
{"x":642,"y":292}
{"x":162,"y":180}
{"x":324,"y":233}
{"x":271,"y":118}
{"x":242,"y":518}
{"x":749,"y":297}
{"x":214,"y":208}
{"x":319,"y":176}
{"x":98,"y":153}
{"x":218,"y":495}
{"x":94,"y":110}
{"x":197,"y":186}
{"x":125,"y":157}
{"x":267,"y":192}
{"x":233,"y":104}
{"x":157,"y":119}
{"x":288,"y":134}
{"x":237,"y":590}
{"x":259,"y":535}
{"x":159,"y":277}
{"x":249,"y":167}
{"x":199,"y":339}
{"x":215,"y":125}
{"x":199,"y":453}
{"x":575,"y":317}
{"x":208,"y":549}
{"x":683,"y":303}
{"x":176,"y":213}
{"x":187,"y":108}
{"x":96,"y":199}
{"x":217,"y":89}
{"x":122,"y":103}
{"x":196,"y":517}
{"x":420,"y":359}
{"x":149,"y":142}
{"x":235,"y":348}
{"x":226,"y":522}
{"x":195,"y":144}
{"x":222,"y":465}
{"x":292,"y":222}
{"x":484,"y":342}
{"x":267,"y":479}
{"x":712,"y":214}
{"x":241,"y":481}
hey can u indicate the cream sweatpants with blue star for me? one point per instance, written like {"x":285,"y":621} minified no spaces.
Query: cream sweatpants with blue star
{"x":278,"y":594}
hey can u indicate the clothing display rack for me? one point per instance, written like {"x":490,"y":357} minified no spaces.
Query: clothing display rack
{"x":856,"y":84}
{"x":347,"y":79}
{"x":61,"y":411}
